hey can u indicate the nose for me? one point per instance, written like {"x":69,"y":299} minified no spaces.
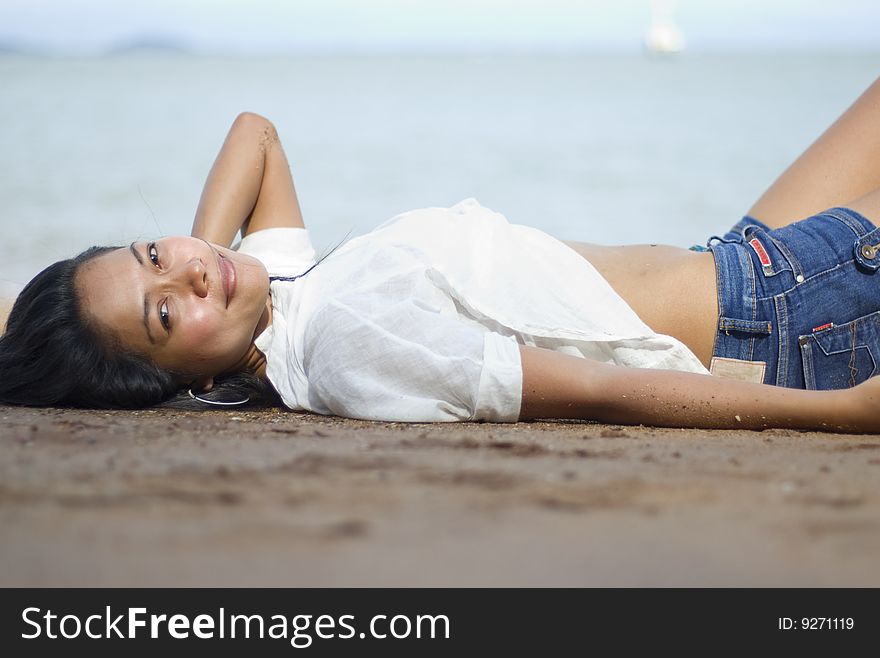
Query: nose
{"x":194,"y":275}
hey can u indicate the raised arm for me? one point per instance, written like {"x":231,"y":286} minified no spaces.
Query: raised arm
{"x":557,"y":385}
{"x":249,"y":187}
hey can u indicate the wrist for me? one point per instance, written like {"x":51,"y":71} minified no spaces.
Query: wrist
{"x":859,"y":407}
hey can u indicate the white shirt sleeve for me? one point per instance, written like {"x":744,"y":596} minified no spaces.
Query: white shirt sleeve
{"x":285,"y":251}
{"x":408,"y":363}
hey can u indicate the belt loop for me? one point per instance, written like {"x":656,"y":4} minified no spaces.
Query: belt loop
{"x":727,"y":324}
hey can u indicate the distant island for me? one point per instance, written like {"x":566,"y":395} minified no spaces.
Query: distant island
{"x":150,"y":44}
{"x":19,"y":48}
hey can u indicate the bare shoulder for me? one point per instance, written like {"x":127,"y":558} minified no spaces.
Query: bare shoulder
{"x":5,"y":308}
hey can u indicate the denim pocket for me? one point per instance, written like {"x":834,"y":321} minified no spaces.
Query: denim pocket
{"x":841,"y":356}
{"x":772,"y":256}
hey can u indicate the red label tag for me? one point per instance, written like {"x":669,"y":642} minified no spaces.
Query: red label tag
{"x":762,"y":253}
{"x":824,"y":326}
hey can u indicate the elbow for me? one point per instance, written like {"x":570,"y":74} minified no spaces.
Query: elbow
{"x":256,"y":127}
{"x":253,"y":122}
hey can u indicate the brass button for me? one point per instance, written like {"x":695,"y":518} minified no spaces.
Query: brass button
{"x":868,"y":251}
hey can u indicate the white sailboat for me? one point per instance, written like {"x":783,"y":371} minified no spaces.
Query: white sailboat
{"x":663,"y":36}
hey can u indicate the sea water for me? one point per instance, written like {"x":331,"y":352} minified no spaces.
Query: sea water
{"x":607,"y":148}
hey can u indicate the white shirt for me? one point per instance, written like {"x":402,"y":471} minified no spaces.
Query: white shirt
{"x":421,"y":319}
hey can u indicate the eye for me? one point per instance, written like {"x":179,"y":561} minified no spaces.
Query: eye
{"x":164,"y":316}
{"x":153,"y":254}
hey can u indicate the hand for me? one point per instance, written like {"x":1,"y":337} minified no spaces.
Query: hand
{"x":864,"y":405}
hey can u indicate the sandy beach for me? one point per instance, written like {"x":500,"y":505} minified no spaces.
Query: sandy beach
{"x":274,"y":498}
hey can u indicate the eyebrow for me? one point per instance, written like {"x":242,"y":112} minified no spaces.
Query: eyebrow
{"x":140,"y":260}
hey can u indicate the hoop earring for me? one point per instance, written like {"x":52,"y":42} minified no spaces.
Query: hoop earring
{"x":218,"y":403}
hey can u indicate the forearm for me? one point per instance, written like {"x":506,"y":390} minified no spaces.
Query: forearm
{"x":250,"y":154}
{"x":560,"y":386}
{"x":668,"y":398}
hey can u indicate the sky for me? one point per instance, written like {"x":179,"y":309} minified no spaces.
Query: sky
{"x":279,"y":26}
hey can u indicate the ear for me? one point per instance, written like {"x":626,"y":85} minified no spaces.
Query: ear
{"x":203,"y":384}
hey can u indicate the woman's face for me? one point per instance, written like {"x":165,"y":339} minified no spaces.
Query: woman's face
{"x":189,"y":306}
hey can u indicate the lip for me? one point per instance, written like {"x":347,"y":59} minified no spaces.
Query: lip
{"x":228,"y":277}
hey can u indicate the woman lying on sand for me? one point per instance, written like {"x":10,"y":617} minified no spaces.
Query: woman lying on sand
{"x":446,"y":314}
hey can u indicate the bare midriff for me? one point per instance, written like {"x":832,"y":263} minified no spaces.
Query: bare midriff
{"x":673,"y":290}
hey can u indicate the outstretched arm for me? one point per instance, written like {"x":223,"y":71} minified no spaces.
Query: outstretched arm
{"x":557,"y":385}
{"x":249,"y":187}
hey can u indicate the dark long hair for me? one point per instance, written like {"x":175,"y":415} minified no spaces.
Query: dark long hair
{"x":51,"y":355}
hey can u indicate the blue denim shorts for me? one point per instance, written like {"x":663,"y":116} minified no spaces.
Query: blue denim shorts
{"x":799,"y":306}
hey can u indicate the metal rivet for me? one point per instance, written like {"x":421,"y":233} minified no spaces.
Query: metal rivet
{"x":868,"y":251}
{"x":799,"y":278}
{"x":803,"y":340}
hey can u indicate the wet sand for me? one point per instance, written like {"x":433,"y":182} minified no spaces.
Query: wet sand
{"x":274,"y":498}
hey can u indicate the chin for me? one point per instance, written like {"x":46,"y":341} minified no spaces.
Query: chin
{"x":253,"y":274}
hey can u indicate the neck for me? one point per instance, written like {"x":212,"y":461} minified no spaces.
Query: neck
{"x":253,"y":360}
